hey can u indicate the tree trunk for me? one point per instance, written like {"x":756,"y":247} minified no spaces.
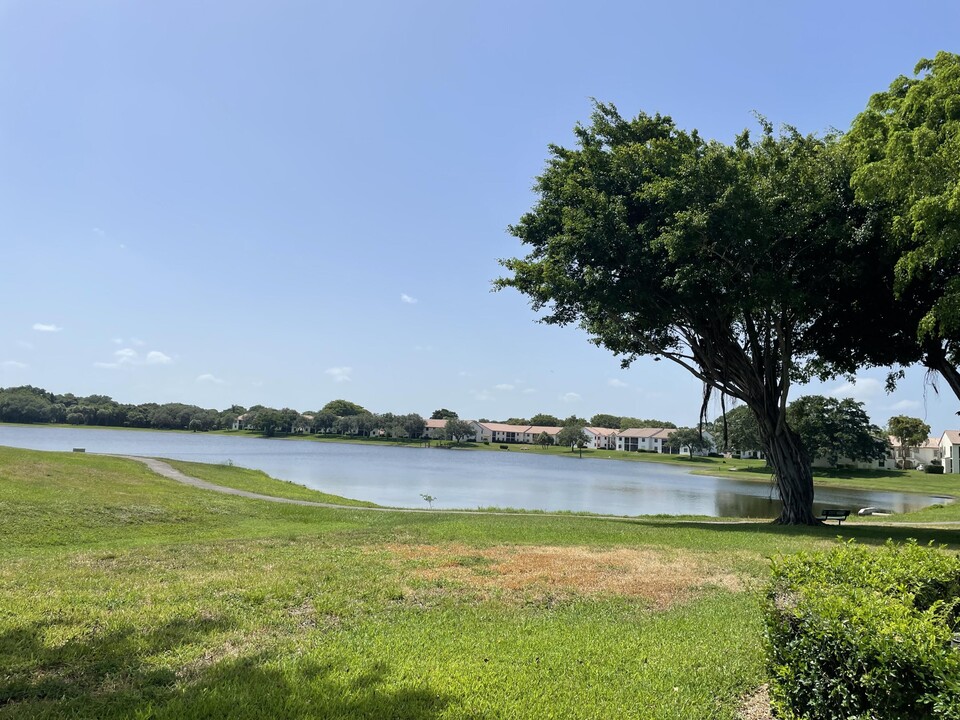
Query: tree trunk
{"x":936,"y":359}
{"x":791,"y":466}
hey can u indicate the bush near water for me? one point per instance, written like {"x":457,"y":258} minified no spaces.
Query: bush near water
{"x":864,"y":633}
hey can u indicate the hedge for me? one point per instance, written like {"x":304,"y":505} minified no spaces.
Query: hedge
{"x":864,"y":634}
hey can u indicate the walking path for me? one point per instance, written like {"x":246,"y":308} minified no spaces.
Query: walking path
{"x":168,"y":471}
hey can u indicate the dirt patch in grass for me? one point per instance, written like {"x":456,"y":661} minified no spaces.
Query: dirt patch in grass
{"x":756,"y":706}
{"x":662,"y":578}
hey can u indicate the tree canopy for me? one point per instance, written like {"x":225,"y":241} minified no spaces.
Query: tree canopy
{"x":458,"y":430}
{"x":604,"y":420}
{"x":910,"y":432}
{"x":343,"y":408}
{"x":571,"y":435}
{"x":742,"y":430}
{"x":832,"y":429}
{"x":628,"y":422}
{"x":545,"y":419}
{"x":690,"y":438}
{"x":720,"y":258}
{"x":906,"y":146}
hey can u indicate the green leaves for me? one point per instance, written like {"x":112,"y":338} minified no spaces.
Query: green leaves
{"x":857,"y":632}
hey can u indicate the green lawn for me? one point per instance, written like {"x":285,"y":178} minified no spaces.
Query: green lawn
{"x":123,"y":594}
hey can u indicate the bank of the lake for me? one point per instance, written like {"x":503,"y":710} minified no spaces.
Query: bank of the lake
{"x":124,"y":594}
{"x":525,"y":477}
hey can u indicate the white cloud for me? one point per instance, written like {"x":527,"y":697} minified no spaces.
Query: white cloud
{"x":503,"y":386}
{"x":117,"y":341}
{"x":480,"y":394}
{"x":98,"y":231}
{"x":613,"y":382}
{"x":44,"y":327}
{"x":909,"y":405}
{"x":529,"y":391}
{"x":570,"y":397}
{"x":155,"y":357}
{"x":137,"y":341}
{"x":14,"y":364}
{"x":129,"y":356}
{"x":861,"y":389}
{"x":407,"y":299}
{"x":423,"y":348}
{"x":340,"y":374}
{"x":209,"y":378}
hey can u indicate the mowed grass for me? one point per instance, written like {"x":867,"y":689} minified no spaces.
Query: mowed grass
{"x":123,"y":594}
{"x":258,"y":481}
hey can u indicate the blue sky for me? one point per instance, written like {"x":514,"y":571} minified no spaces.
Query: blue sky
{"x":290,"y":202}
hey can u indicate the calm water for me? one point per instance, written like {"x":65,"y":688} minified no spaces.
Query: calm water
{"x":520,"y":478}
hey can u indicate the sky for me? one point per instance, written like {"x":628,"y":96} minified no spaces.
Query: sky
{"x":284,"y":203}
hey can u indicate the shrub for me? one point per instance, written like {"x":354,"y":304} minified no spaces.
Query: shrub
{"x":933,"y":469}
{"x":860,"y":633}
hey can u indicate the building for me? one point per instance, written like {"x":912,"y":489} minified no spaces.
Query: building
{"x":950,"y":449}
{"x":601,"y":438}
{"x":922,"y":455}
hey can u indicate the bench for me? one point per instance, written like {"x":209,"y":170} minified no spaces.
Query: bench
{"x":838,"y":515}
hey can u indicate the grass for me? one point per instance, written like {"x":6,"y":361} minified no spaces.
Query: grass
{"x":125,"y":595}
{"x":259,"y":482}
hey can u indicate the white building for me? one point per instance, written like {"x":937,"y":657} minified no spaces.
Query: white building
{"x":601,"y":438}
{"x":923,"y":455}
{"x":950,"y":449}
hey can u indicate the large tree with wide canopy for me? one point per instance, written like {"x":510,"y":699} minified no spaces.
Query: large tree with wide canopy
{"x":724,"y":259}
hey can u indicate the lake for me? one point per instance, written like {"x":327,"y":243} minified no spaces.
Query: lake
{"x":519,"y":478}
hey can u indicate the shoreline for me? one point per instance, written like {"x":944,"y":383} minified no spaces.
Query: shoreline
{"x":749,"y":471}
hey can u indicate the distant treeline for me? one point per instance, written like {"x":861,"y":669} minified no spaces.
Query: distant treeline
{"x":28,"y":404}
{"x":602,"y":420}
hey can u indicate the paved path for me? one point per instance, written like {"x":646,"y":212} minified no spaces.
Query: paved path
{"x":168,"y":471}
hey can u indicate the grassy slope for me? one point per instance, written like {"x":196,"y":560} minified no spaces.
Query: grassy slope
{"x":259,"y":482}
{"x":126,"y":595}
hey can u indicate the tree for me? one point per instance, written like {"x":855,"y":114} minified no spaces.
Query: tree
{"x":691,"y":438}
{"x":572,"y":435}
{"x":603,"y":420}
{"x":414,"y":425}
{"x":715,"y":257}
{"x":628,"y":422}
{"x":516,"y":421}
{"x":742,"y":430}
{"x":444,"y":414}
{"x":910,"y":432}
{"x":343,"y":408}
{"x":324,"y":421}
{"x":907,"y":148}
{"x":458,"y":430}
{"x":267,"y":421}
{"x":545,"y":420}
{"x":26,"y":404}
{"x":832,"y":429}
{"x":544,"y":439}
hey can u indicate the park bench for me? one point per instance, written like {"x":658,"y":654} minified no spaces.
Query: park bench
{"x":838,"y":515}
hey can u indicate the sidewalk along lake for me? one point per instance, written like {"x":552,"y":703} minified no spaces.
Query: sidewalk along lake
{"x":519,"y":478}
